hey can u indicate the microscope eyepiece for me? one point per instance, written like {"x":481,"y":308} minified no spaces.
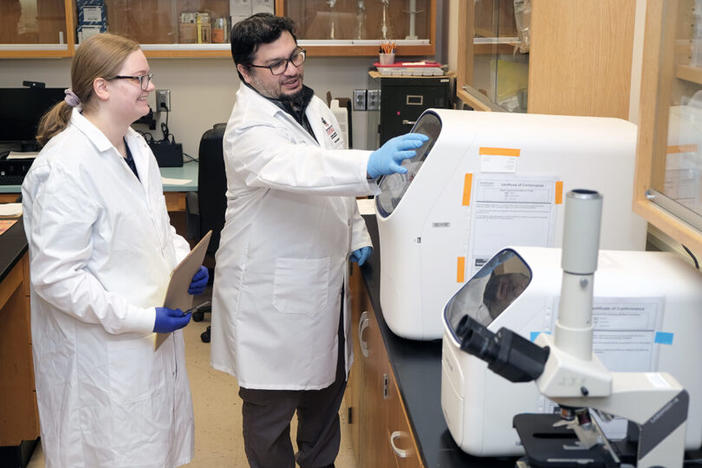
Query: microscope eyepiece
{"x":506,"y":353}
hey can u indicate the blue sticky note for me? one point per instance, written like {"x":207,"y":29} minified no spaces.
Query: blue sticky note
{"x":534,"y":334}
{"x":664,"y":338}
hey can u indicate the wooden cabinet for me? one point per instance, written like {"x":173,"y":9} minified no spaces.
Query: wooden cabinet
{"x":356,"y":27}
{"x":669,"y":151}
{"x":47,"y":28}
{"x":8,"y":197}
{"x":38,"y":28}
{"x":579,"y":59}
{"x":489,"y":69}
{"x":380,"y":432}
{"x":19,"y":418}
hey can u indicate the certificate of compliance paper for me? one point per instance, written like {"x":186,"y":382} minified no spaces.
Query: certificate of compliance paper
{"x":510,"y":210}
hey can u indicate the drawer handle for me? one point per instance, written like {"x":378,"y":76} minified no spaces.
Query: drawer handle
{"x":408,"y":122}
{"x":400,"y":452}
{"x":362,"y":326}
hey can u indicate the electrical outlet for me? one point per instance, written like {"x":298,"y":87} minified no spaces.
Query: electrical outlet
{"x":373,"y":99}
{"x":163,"y":100}
{"x":359,"y":99}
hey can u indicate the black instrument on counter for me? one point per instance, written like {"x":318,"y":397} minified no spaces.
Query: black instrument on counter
{"x":20,"y":112}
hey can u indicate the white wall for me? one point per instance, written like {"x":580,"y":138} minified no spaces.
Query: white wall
{"x":202,"y":90}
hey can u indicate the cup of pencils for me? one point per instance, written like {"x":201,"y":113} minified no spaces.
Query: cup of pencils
{"x":386,"y":53}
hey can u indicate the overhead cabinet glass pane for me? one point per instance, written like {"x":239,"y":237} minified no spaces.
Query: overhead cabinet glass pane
{"x":32,"y":22}
{"x":498,"y":53}
{"x":360,"y":19}
{"x":677,"y":158}
{"x":161,"y":21}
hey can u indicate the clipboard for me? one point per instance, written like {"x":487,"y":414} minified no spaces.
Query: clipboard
{"x":177,"y":296}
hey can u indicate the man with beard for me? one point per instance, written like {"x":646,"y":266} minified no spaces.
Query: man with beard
{"x":280,"y":320}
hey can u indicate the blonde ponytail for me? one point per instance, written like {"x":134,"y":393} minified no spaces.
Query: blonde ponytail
{"x":53,"y":122}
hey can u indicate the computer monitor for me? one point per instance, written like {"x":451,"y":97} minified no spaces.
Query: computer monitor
{"x":20,"y":112}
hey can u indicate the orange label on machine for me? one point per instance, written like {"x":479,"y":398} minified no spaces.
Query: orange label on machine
{"x":499,"y":159}
{"x":559,"y":192}
{"x":487,"y":151}
{"x":461,"y":269}
{"x":467,"y":186}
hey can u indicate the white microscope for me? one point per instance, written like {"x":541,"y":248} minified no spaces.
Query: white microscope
{"x":567,"y":371}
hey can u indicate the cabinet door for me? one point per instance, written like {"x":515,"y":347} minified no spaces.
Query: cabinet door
{"x":18,"y":408}
{"x":580,"y":57}
{"x":330,"y":27}
{"x":578,"y":61}
{"x":179,"y":28}
{"x":379,"y":419}
{"x":374,"y":452}
{"x":492,"y":72}
{"x":36,"y":28}
{"x":403,"y":450}
{"x":354,"y":388}
{"x":668,"y":192}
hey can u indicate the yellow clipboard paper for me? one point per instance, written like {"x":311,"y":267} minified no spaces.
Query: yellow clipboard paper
{"x":177,"y":296}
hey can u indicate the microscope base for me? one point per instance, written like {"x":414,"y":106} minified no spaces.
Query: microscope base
{"x":546,"y":446}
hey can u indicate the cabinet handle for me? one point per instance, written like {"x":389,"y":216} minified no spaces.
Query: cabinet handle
{"x":398,"y":451}
{"x":408,"y":122}
{"x":362,"y":326}
{"x":414,"y":100}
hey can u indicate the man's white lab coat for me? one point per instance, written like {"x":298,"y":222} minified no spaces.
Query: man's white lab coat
{"x":101,"y":251}
{"x":291,"y":223}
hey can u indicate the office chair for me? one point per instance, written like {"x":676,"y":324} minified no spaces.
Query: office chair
{"x":211,"y":202}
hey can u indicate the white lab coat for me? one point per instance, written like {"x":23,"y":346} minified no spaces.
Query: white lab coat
{"x":291,"y":223}
{"x":101,"y":250}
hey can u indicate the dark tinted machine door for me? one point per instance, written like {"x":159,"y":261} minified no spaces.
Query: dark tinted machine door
{"x":393,"y":187}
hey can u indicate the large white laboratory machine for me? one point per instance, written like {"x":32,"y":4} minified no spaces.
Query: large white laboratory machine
{"x":485,"y":180}
{"x":646,"y":317}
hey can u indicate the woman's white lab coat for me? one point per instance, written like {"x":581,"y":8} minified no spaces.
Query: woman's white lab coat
{"x":101,"y":251}
{"x":291,"y":223}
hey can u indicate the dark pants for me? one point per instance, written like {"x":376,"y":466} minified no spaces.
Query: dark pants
{"x":267,"y":415}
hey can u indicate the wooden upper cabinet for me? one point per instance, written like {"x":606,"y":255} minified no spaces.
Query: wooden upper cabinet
{"x":580,"y":57}
{"x":200,"y":28}
{"x":492,"y":69}
{"x":356,"y":27}
{"x":36,"y":28}
{"x":558,"y":57}
{"x":668,"y":186}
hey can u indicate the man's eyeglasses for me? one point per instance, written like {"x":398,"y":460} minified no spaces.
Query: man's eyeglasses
{"x":143,"y":80}
{"x":279,"y":66}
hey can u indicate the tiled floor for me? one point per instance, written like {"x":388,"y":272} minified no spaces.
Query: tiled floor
{"x":218,"y":439}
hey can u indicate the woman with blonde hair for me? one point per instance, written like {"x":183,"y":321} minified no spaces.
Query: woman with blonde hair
{"x":101,"y":251}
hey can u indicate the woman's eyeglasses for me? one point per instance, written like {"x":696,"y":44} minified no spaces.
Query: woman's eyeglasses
{"x":279,"y":66}
{"x":143,"y":80}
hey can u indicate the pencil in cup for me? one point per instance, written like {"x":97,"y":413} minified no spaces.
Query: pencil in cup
{"x":387,"y":47}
